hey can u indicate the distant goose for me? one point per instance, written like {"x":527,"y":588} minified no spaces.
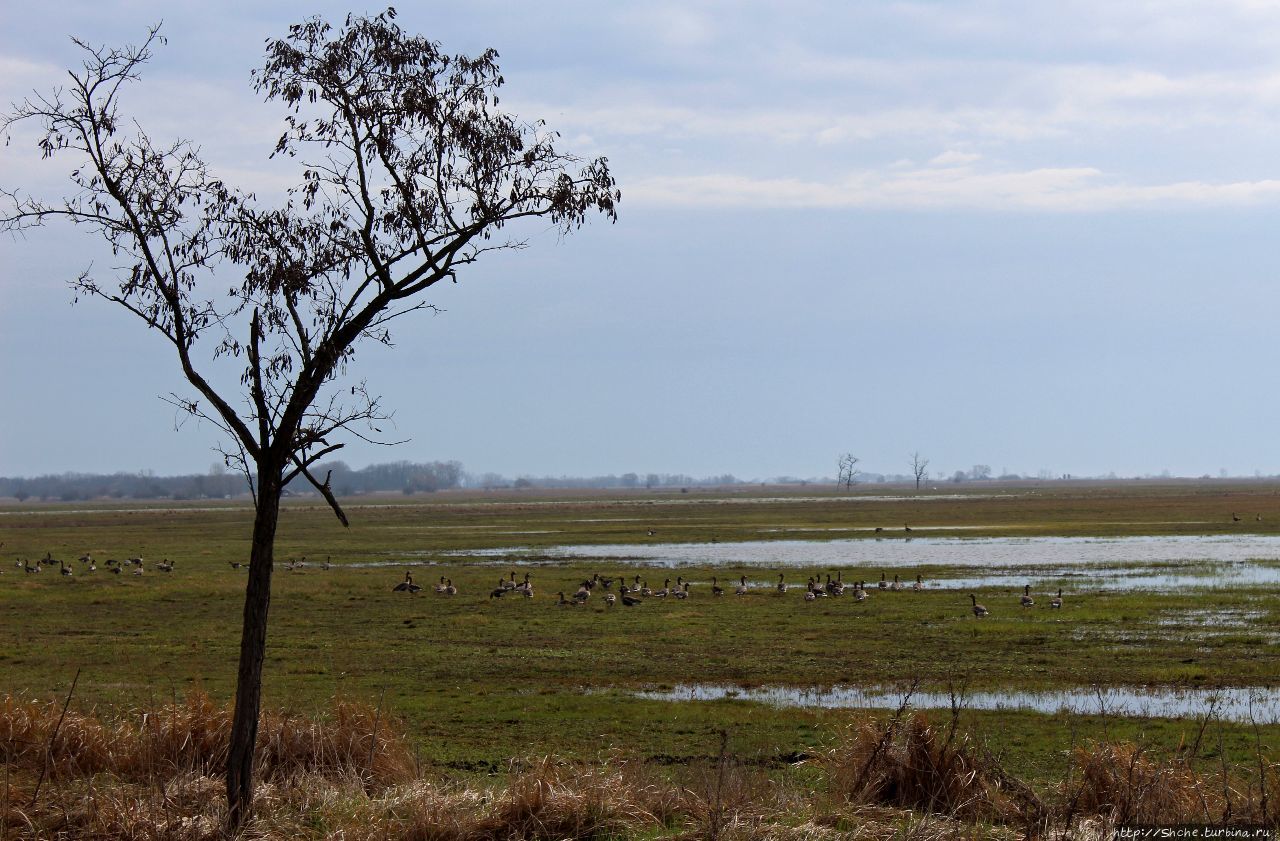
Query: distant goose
{"x":919,"y":585}
{"x":860,"y":591}
{"x":449,"y":589}
{"x":682,"y":592}
{"x":1235,"y":518}
{"x":782,"y":586}
{"x":630,"y":601}
{"x":716,"y":589}
{"x":609,"y":599}
{"x":439,"y":587}
{"x":810,"y":596}
{"x":896,"y":585}
{"x":66,"y":570}
{"x":884,"y":585}
{"x":165,"y":566}
{"x":978,"y":610}
{"x":741,"y":589}
{"x":566,"y":602}
{"x":1056,"y":601}
{"x":906,"y":527}
{"x":1026,"y":599}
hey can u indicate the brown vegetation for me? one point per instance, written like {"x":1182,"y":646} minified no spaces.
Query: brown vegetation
{"x":154,"y":774}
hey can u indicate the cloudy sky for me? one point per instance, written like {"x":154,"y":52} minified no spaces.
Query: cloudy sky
{"x":1040,"y":237}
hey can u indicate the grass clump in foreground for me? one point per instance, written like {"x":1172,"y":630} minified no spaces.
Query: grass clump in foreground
{"x":155,"y":774}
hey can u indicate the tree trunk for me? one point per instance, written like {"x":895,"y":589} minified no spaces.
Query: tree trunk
{"x":253,"y":644}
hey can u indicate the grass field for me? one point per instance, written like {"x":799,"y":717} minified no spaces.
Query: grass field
{"x":478,"y":681}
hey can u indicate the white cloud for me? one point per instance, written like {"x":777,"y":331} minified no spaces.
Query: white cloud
{"x":1073,"y":189}
{"x":952,"y":157}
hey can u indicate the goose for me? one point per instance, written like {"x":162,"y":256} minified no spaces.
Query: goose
{"x":566,"y":602}
{"x":919,"y":585}
{"x":836,"y":588}
{"x":682,"y":592}
{"x":716,"y":589}
{"x":1056,"y":601}
{"x":449,"y":589}
{"x":439,"y":588}
{"x":1235,"y":518}
{"x":165,"y":566}
{"x":896,"y":585}
{"x":526,"y":586}
{"x":782,"y":586}
{"x":116,"y":568}
{"x":508,"y":583}
{"x":66,"y":570}
{"x":741,"y":589}
{"x":499,"y":591}
{"x":325,"y":566}
{"x":609,"y":599}
{"x":630,"y":601}
{"x":1026,"y":599}
{"x":884,"y":585}
{"x":817,"y":591}
{"x":93,"y":567}
{"x":606,"y":583}
{"x":810,"y":596}
{"x":582,"y":595}
{"x":879,"y":529}
{"x":906,"y":527}
{"x":978,"y":610}
{"x":665,"y":591}
{"x":860,"y":591}
{"x":138,"y":570}
{"x":406,"y":586}
{"x":85,"y":558}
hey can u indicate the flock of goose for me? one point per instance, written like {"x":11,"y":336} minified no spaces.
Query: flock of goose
{"x":89,"y":566}
{"x":637,"y":591}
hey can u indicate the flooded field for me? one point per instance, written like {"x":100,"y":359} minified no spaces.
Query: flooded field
{"x":1245,"y":705}
{"x":1075,"y":563}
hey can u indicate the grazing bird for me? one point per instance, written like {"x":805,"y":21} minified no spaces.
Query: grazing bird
{"x":1026,"y":599}
{"x":906,"y":527}
{"x":406,"y":586}
{"x":741,"y":589}
{"x":1235,"y":518}
{"x":165,"y":566}
{"x":716,"y":589}
{"x":782,"y":586}
{"x":566,"y":602}
{"x":919,"y":585}
{"x":234,"y":564}
{"x":630,"y":601}
{"x":499,"y":591}
{"x":1056,"y":601}
{"x":978,"y":610}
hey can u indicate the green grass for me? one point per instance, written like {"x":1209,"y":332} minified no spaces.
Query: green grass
{"x":480,"y":680}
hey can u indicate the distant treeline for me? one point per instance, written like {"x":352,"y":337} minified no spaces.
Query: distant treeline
{"x":401,"y":476}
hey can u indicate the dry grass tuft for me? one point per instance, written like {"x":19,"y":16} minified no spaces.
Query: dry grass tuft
{"x":911,"y":765}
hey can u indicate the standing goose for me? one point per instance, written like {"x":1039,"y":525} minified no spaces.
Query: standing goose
{"x":66,"y":570}
{"x":1026,"y":599}
{"x":682,"y":592}
{"x":860,"y":591}
{"x":449,"y":589}
{"x":896,"y":585}
{"x":1056,"y":601}
{"x":978,"y":610}
{"x":609,"y":598}
{"x":782,"y":586}
{"x":439,"y":588}
{"x":919,"y":585}
{"x":884,"y":585}
{"x":716,"y":589}
{"x":741,"y":589}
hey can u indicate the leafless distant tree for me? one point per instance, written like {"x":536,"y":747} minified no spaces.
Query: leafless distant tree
{"x":408,"y":172}
{"x":919,"y":467}
{"x":848,"y":471}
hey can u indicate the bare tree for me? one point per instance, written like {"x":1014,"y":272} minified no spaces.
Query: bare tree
{"x":919,"y":467}
{"x":408,"y":172}
{"x":848,"y":471}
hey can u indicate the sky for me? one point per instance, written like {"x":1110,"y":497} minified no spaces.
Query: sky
{"x":1039,"y":237}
